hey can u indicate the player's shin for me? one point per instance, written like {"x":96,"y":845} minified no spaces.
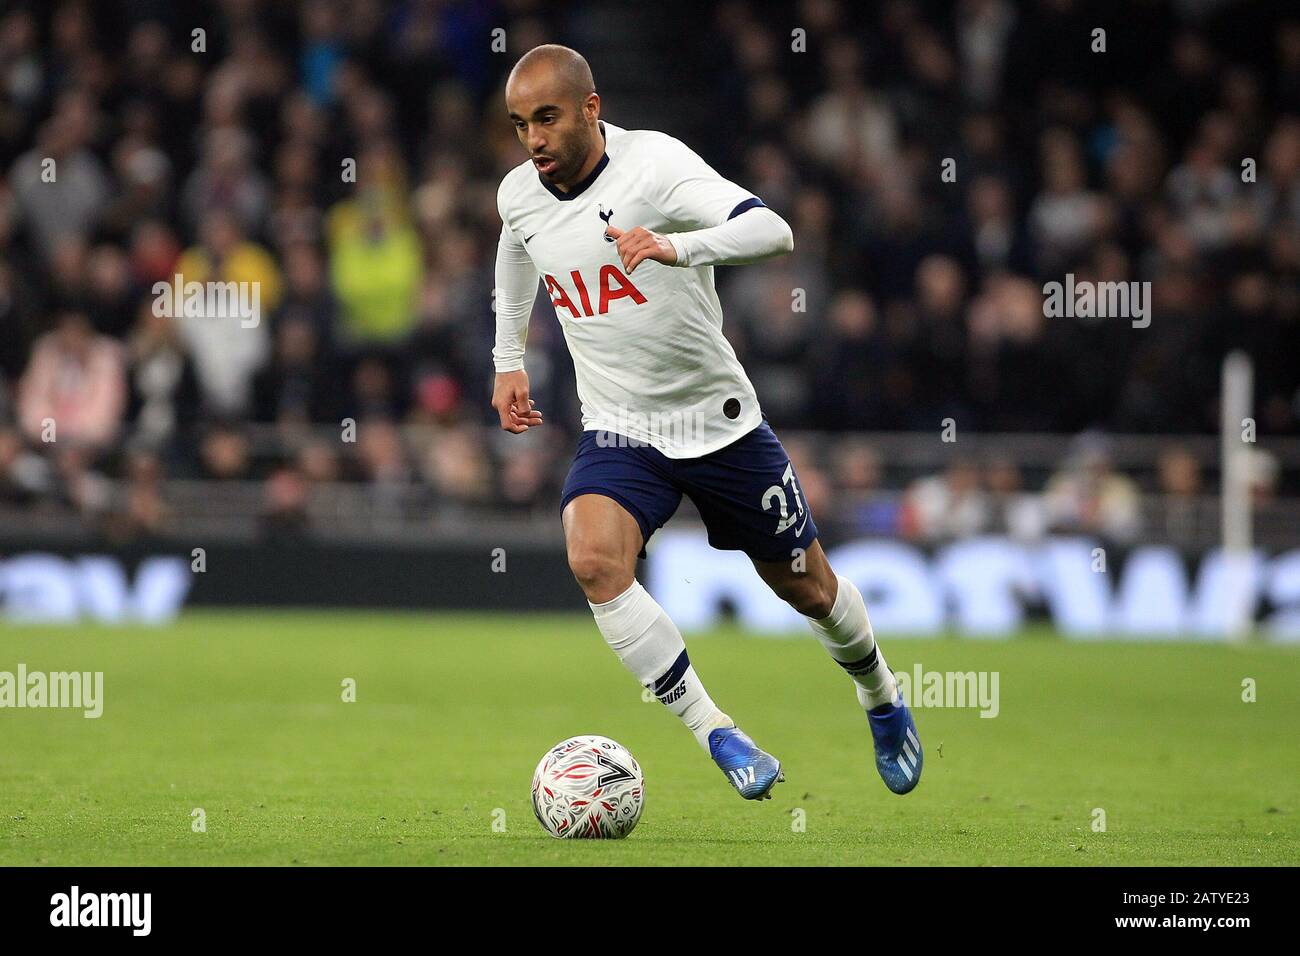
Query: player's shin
{"x":846,"y":635}
{"x":650,"y":646}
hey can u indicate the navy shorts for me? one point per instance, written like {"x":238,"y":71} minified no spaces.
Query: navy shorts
{"x":747,"y":493}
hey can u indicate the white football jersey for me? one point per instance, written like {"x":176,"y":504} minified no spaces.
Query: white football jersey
{"x":651,"y":361}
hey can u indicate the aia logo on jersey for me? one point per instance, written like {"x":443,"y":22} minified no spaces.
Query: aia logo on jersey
{"x":606,"y":217}
{"x":613,"y":284}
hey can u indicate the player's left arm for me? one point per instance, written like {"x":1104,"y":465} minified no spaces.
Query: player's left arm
{"x":723,"y":223}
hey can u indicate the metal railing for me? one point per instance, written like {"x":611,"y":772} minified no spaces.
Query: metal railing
{"x":415,"y":511}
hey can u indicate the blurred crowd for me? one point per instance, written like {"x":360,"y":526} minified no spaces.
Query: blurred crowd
{"x":990,"y":494}
{"x":344,"y":155}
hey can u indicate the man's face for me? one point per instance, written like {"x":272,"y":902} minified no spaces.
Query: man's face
{"x":555,"y":130}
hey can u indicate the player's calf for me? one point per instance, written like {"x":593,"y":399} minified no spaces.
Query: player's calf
{"x":805,"y":582}
{"x":809,"y":595}
{"x":648,"y":643}
{"x":838,"y":616}
{"x":846,"y":634}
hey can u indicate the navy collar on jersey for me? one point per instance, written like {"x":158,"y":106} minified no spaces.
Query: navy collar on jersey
{"x":587,"y":180}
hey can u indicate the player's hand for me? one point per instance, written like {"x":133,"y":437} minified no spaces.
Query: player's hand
{"x":638,"y":244}
{"x":510,"y":399}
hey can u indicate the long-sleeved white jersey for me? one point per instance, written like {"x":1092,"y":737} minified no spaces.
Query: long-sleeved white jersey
{"x":651,"y":361}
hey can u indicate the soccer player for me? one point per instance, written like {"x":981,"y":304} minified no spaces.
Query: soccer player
{"x":624,"y":228}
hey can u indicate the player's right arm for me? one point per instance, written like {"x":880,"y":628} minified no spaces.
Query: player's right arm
{"x":516,"y":288}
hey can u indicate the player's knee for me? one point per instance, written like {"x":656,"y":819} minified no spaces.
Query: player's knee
{"x":600,"y":574}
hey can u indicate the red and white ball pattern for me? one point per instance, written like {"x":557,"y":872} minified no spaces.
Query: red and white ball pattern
{"x":588,"y":787}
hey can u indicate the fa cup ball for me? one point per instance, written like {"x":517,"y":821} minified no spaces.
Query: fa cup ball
{"x":588,"y":788}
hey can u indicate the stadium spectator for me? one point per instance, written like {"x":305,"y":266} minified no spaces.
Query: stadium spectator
{"x":142,"y":172}
{"x":384,"y":466}
{"x":307,"y":296}
{"x":525,"y":478}
{"x":80,"y":486}
{"x":285,"y":510}
{"x":1264,"y":475}
{"x":226,"y":182}
{"x":375,"y":392}
{"x":297,"y":385}
{"x":60,"y":185}
{"x":1013,"y":511}
{"x":164,"y":389}
{"x":850,"y":129}
{"x":1012,"y":369}
{"x":24,"y":476}
{"x":110,"y":297}
{"x":319,"y":463}
{"x":946,"y":506}
{"x":228,"y":349}
{"x":1065,"y":216}
{"x":997,"y":238}
{"x":22,"y":68}
{"x":74,"y":389}
{"x":225,"y":454}
{"x":438,"y":399}
{"x":18,"y":310}
{"x":154,"y":252}
{"x":143,"y":510}
{"x":983,"y":28}
{"x":940,"y":365}
{"x":456,"y":467}
{"x":1179,"y":476}
{"x":852,"y":370}
{"x":1089,"y":497}
{"x":375,"y":256}
{"x":857,"y":469}
{"x":1202,"y":191}
{"x":860,"y":501}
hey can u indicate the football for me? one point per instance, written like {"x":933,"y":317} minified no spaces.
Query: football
{"x":588,"y":788}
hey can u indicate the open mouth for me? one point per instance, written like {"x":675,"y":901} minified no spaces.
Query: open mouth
{"x":544,"y":164}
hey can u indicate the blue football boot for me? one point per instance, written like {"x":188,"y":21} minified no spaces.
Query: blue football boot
{"x":898,"y":748}
{"x":753,"y":772}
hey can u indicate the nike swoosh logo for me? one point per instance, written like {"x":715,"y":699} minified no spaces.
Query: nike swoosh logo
{"x":526,"y":238}
{"x":799,"y":530}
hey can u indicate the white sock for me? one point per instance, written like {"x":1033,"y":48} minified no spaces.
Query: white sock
{"x":650,"y":646}
{"x":846,"y":635}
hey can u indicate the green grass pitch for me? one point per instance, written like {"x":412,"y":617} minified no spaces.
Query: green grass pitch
{"x":240,"y":714}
